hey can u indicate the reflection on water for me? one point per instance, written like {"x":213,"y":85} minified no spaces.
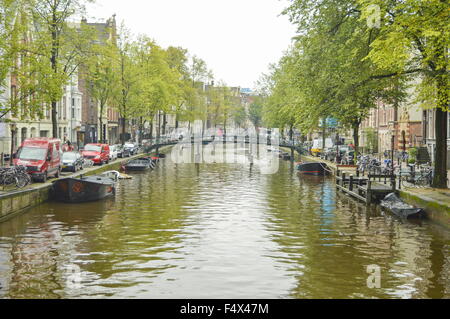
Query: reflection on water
{"x":220,"y":231}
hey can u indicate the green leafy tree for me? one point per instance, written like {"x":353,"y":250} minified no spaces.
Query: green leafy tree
{"x":414,"y":37}
{"x":60,"y":46}
{"x":102,"y":74}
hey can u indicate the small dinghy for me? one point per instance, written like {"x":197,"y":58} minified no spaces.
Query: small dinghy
{"x":141,"y":164}
{"x":85,"y":189}
{"x":313,"y":168}
{"x":398,"y":207}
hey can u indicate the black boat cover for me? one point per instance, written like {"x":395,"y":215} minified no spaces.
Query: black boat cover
{"x":394,"y":204}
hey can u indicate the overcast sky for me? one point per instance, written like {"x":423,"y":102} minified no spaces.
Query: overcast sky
{"x":238,"y":39}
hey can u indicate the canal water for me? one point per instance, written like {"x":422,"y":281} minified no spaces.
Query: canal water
{"x":221,"y":231}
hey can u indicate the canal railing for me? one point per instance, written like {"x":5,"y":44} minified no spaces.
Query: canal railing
{"x":369,"y":189}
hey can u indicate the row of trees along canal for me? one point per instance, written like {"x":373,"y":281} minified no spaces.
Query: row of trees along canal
{"x":344,"y":60}
{"x":42,"y":49}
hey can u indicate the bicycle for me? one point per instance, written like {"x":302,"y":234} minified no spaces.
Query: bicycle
{"x":16,"y":175}
{"x":88,"y":163}
{"x":423,"y":178}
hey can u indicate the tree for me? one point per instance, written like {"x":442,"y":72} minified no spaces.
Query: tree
{"x":128,"y":82}
{"x":255,"y":112}
{"x":62,"y":46}
{"x":18,"y":63}
{"x":414,"y":37}
{"x":331,"y":66}
{"x":177,"y":59}
{"x":102,"y":74}
{"x":158,"y":87}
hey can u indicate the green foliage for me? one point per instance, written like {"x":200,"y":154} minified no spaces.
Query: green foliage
{"x":255,"y":112}
{"x":371,"y":139}
{"x":413,"y":152}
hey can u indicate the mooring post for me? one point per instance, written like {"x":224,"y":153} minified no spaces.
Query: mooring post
{"x":351,"y":183}
{"x":369,"y":192}
{"x":343,"y":179}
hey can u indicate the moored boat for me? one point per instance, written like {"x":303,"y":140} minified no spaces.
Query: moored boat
{"x":85,"y":189}
{"x":141,"y":164}
{"x":313,"y":168}
{"x":403,"y":210}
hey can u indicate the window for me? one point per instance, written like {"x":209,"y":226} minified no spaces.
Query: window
{"x":448,"y":126}
{"x":430,"y":124}
{"x":73,"y":113}
{"x":32,"y":153}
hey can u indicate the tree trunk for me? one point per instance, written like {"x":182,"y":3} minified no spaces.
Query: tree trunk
{"x":151,"y":130}
{"x":54,"y":119}
{"x":102,"y":137}
{"x":324,"y":124}
{"x":441,"y":122}
{"x":141,"y":130}
{"x":122,"y":139}
{"x":54,"y":63}
{"x":440,"y":162}
{"x":159,"y":125}
{"x":164,"y":122}
{"x":356,"y":138}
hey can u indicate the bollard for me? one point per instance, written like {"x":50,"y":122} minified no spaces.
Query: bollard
{"x":351,"y":183}
{"x":369,"y":192}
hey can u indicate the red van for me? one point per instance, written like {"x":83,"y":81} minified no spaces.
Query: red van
{"x":98,"y":153}
{"x":41,"y":157}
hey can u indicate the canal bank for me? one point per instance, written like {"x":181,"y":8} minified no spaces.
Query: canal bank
{"x":17,"y":202}
{"x":435,"y":202}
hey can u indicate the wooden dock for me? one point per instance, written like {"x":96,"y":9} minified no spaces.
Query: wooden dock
{"x":368,"y":188}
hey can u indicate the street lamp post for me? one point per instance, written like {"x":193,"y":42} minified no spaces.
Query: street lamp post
{"x":13,"y":139}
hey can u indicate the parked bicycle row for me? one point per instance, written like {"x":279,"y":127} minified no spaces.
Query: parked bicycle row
{"x":410,"y":175}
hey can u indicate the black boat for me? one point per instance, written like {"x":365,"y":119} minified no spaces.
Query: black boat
{"x":142,"y":164}
{"x":398,"y":207}
{"x":313,"y":168}
{"x":85,"y":189}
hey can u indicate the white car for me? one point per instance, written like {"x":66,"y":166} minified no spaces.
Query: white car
{"x":113,"y":152}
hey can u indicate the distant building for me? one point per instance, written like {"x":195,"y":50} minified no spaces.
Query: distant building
{"x":404,"y":122}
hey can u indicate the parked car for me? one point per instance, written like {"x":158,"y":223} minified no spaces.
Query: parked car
{"x":98,"y":153}
{"x":133,"y":148}
{"x":41,"y":157}
{"x":72,"y":162}
{"x":123,"y":152}
{"x":114,"y":150}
